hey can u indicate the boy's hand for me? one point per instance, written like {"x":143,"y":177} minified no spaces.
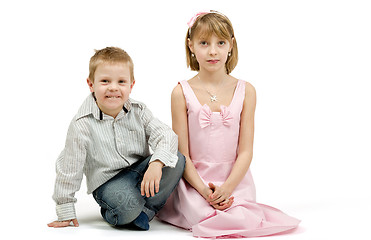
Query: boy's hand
{"x":58,"y":224}
{"x":151,"y":179}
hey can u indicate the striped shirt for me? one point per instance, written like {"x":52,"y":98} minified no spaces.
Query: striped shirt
{"x":100,"y":146}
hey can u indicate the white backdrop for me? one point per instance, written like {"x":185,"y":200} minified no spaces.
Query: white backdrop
{"x":308,"y":60}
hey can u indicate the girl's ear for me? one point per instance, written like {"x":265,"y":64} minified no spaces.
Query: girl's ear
{"x":231,"y":45}
{"x":90,"y":84}
{"x":190,"y":45}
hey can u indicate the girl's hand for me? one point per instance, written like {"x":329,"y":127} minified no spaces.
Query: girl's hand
{"x":220,"y":194}
{"x":206,"y":193}
{"x":59,"y":224}
{"x":225,"y":204}
{"x":151,"y":180}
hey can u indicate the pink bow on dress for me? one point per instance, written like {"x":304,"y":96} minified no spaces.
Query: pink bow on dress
{"x":205,"y":116}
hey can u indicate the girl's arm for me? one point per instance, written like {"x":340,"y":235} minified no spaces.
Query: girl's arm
{"x":180,"y":127}
{"x":245,"y":150}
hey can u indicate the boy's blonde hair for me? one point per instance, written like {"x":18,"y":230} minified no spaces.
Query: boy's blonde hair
{"x":206,"y":25}
{"x":111,"y":55}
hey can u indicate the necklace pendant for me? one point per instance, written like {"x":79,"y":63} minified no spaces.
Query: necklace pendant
{"x":213,"y":98}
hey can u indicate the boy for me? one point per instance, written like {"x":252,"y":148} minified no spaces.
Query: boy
{"x":108,"y":140}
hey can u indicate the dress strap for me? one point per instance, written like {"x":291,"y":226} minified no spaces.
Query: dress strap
{"x":238,"y":99}
{"x":241,"y":88}
{"x":187,"y":91}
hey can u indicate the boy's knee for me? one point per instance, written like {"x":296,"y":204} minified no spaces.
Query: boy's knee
{"x":173,"y":175}
{"x":169,"y":181}
{"x":180,"y":164}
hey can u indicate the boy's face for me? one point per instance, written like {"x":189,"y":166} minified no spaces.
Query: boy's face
{"x":112,"y":87}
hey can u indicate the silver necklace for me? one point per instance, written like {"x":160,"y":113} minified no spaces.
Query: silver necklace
{"x":213,"y":97}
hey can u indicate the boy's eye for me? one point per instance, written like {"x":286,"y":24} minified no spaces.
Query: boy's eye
{"x":104,"y":81}
{"x":204,"y":43}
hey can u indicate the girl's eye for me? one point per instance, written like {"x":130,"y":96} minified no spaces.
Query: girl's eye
{"x":204,"y":43}
{"x":221,"y":43}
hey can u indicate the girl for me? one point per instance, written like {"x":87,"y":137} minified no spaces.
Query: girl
{"x":213,"y":116}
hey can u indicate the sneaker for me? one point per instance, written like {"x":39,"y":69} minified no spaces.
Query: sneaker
{"x":141,"y":222}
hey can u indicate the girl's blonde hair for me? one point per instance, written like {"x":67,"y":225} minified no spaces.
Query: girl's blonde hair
{"x":206,"y":25}
{"x":111,"y":55}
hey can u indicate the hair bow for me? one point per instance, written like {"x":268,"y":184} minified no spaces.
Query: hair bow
{"x":193,"y":19}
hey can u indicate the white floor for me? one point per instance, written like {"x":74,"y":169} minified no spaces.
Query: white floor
{"x":332,"y":219}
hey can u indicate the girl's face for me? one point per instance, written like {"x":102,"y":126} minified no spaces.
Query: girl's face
{"x":211,"y":53}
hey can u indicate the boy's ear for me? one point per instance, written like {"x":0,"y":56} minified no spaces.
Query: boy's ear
{"x":132,"y":85}
{"x":91,"y":85}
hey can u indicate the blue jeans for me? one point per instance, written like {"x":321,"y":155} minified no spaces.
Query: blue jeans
{"x":120,"y":199}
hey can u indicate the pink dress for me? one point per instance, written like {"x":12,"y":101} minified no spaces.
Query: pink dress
{"x":213,"y":146}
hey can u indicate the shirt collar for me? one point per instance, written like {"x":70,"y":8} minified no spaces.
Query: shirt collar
{"x":90,"y":107}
